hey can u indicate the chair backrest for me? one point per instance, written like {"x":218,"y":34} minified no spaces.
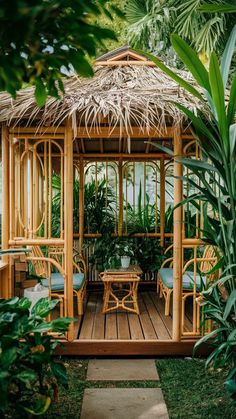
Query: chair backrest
{"x":79,"y":262}
{"x":208,"y":255}
{"x":40,"y":266}
{"x":56,"y":253}
{"x":210,"y":260}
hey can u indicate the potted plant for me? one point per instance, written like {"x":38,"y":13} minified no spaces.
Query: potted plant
{"x":124,"y":249}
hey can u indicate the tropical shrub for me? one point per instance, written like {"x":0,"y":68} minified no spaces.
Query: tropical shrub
{"x":141,"y":219}
{"x":99,"y":208}
{"x":149,"y":254}
{"x":152,"y":22}
{"x":214,"y":128}
{"x":29,"y":373}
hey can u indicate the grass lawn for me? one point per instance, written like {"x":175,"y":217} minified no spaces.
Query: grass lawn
{"x":189,"y":391}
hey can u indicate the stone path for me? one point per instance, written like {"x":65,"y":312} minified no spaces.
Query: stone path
{"x":126,"y":402}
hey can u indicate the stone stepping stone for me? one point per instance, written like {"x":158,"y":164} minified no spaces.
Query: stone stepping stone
{"x":120,"y":403}
{"x":121,"y":370}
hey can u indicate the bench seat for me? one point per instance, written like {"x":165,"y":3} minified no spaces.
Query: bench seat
{"x":166,"y":275}
{"x":57,"y":281}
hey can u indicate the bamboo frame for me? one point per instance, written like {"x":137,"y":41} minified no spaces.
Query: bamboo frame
{"x":125,"y":63}
{"x":6,"y":285}
{"x":178,"y":191}
{"x":136,"y":132}
{"x":162,"y":201}
{"x":46,"y":153}
{"x":81,"y":203}
{"x":68,"y":224}
{"x":120,"y":177}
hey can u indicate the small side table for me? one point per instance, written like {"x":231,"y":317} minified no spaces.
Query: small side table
{"x":120,"y":290}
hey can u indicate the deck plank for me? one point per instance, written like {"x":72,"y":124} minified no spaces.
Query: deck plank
{"x":111,"y":326}
{"x":146,"y":323}
{"x":151,"y":324}
{"x":123,"y":326}
{"x":158,"y":324}
{"x":99,"y":321}
{"x":159,"y":304}
{"x":88,"y":320}
{"x":135,"y":328}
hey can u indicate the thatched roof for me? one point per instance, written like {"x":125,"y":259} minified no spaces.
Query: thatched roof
{"x":126,"y":90}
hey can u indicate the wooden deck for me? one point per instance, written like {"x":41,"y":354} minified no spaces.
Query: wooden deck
{"x":150,"y":324}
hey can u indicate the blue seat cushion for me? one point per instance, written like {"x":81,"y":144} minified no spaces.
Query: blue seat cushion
{"x":57,"y":281}
{"x":166,"y":275}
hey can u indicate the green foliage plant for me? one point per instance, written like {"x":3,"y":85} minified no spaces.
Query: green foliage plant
{"x":153,"y":21}
{"x":148,"y":253}
{"x":99,"y":207}
{"x":141,"y":219}
{"x":214,"y":128}
{"x":42,"y":41}
{"x":29,"y":373}
{"x":124,"y":246}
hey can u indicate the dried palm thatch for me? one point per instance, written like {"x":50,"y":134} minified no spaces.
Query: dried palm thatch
{"x":125,"y":95}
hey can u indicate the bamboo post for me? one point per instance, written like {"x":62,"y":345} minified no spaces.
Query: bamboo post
{"x":62,"y":198}
{"x":120,"y":178}
{"x":45,"y":161}
{"x":178,"y":192}
{"x":22,"y":208}
{"x":12,"y":187}
{"x":50,"y":189}
{"x":81,"y":205}
{"x":68,"y":223}
{"x":162,"y":201}
{"x":6,"y":285}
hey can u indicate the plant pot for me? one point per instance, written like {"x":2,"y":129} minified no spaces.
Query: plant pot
{"x":34,"y":294}
{"x":125,"y":261}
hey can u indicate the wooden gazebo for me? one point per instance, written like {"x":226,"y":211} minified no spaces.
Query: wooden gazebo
{"x":112,"y":119}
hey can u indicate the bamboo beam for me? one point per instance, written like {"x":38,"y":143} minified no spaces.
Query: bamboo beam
{"x":37,"y":137}
{"x":96,"y":235}
{"x":112,"y":156}
{"x":162,"y":201}
{"x":6,"y":285}
{"x":123,"y":63}
{"x":192,"y":242}
{"x":19,"y":241}
{"x":135,"y":132}
{"x":177,"y":273}
{"x":85,"y":132}
{"x":125,"y":54}
{"x":124,"y":156}
{"x":37,"y":130}
{"x":68,"y":223}
{"x":81,"y":205}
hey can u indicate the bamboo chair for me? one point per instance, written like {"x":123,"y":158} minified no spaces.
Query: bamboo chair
{"x":193,"y":280}
{"x":55,"y":280}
